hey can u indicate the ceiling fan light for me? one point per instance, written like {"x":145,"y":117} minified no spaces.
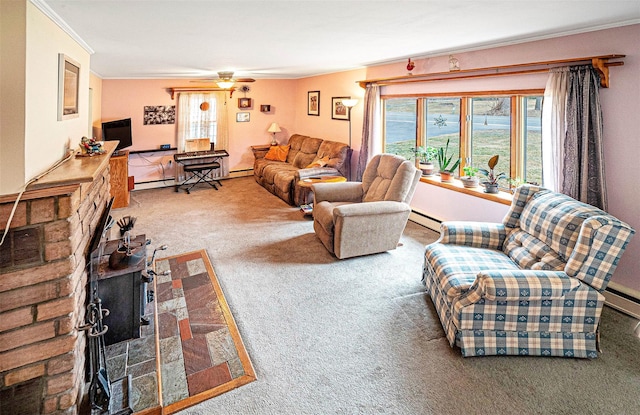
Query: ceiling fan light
{"x":225,"y":84}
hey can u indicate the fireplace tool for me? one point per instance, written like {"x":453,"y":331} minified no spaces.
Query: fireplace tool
{"x":99,"y":388}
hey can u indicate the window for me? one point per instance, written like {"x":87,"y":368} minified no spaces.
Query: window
{"x":197,"y":117}
{"x":508,"y":125}
{"x":400,"y":126}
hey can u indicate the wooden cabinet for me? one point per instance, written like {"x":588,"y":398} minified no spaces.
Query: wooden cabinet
{"x":120,"y":183}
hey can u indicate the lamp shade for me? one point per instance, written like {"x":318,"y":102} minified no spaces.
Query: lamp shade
{"x":349,"y":102}
{"x":274,"y":128}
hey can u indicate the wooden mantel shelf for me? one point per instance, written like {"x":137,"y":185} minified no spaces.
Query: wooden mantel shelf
{"x":600,"y":63}
{"x":77,"y":170}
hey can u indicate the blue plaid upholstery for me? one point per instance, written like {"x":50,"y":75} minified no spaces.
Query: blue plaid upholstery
{"x":531,"y":285}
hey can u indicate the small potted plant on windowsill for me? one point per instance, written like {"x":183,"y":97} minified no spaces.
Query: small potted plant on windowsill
{"x":491,"y":184}
{"x":470,"y":180}
{"x":447,"y":170}
{"x":425,"y":156}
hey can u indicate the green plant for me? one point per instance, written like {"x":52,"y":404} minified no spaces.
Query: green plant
{"x":470,"y":171}
{"x":492,"y":177}
{"x":425,"y":154}
{"x":444,"y":159}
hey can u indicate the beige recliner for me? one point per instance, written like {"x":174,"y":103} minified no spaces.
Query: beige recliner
{"x":361,"y":218}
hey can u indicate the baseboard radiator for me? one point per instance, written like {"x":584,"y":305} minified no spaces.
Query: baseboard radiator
{"x":616,"y":296}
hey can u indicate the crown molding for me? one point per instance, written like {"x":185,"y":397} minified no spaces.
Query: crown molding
{"x":48,"y":11}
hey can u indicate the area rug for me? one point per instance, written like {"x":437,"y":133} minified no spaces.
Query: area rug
{"x":201,"y":352}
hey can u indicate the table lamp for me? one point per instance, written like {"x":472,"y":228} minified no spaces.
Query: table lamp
{"x":273,"y":129}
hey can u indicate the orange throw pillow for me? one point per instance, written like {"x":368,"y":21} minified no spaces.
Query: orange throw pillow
{"x":277,"y":153}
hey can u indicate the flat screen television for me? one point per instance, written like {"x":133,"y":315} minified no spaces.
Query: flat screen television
{"x":118,"y":130}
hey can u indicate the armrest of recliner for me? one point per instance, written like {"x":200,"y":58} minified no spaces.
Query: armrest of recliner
{"x":316,"y":172}
{"x":478,"y":234}
{"x":370,"y":208}
{"x":337,"y":192}
{"x":522,"y":285}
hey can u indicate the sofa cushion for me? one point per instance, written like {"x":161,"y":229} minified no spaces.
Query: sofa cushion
{"x":530,"y":252}
{"x":457,"y":266}
{"x":335,"y":153}
{"x":556,"y":219}
{"x":303,"y":150}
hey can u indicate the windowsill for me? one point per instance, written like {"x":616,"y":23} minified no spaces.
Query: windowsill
{"x":501,"y":197}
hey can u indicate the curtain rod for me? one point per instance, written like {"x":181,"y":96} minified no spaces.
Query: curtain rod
{"x":600,"y":63}
{"x":175,"y":90}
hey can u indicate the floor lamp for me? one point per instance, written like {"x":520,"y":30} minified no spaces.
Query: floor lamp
{"x":349,"y":103}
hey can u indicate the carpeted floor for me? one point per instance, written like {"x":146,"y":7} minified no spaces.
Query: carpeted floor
{"x":360,"y":336}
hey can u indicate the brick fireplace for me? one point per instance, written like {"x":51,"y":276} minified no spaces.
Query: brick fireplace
{"x":43,"y":278}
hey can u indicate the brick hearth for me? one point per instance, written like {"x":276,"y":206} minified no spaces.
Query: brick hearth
{"x":43,"y":277}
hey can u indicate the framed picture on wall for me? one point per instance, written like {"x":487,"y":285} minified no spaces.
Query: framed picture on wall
{"x":68,"y":87}
{"x":242,"y":117}
{"x":338,"y":109}
{"x":313,"y":103}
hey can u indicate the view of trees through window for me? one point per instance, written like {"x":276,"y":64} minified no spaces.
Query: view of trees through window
{"x":417,"y":121}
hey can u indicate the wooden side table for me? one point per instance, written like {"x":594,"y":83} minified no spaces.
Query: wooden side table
{"x":307,"y":209}
{"x":260,"y":151}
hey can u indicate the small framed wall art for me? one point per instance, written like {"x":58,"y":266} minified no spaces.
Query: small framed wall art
{"x":265,"y":108}
{"x":313,"y":103}
{"x":244,"y":102}
{"x":242,"y":117}
{"x":338,"y":110}
{"x":68,"y":87}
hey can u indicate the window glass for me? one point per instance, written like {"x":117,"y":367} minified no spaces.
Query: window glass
{"x":491,"y":132}
{"x":400,"y":126}
{"x":443,"y":123}
{"x":533,"y":140}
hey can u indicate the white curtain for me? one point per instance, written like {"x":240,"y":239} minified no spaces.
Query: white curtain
{"x":371,"y":129}
{"x":204,"y":115}
{"x":554,"y":128}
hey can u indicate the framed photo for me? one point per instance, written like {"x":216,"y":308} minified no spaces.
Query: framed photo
{"x":313,"y":103}
{"x":265,"y":108}
{"x":338,"y":109}
{"x":68,"y":87}
{"x":242,"y":117}
{"x":244,"y":102}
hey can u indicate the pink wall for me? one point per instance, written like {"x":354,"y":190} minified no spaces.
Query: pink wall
{"x":621,"y":104}
{"x":124,"y":98}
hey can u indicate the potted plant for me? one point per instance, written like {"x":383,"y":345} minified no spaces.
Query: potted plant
{"x":470,"y":179}
{"x":425,"y":156}
{"x":444,"y":162}
{"x":491,"y":184}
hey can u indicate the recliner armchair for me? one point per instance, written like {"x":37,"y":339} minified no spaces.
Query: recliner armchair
{"x":531,"y":285}
{"x":361,"y":218}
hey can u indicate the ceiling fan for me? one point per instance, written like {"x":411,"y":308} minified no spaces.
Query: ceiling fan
{"x":225,"y":79}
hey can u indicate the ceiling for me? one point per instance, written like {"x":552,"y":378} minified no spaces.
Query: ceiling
{"x":293,"y":39}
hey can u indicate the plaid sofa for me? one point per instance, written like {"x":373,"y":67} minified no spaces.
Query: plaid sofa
{"x":531,"y":285}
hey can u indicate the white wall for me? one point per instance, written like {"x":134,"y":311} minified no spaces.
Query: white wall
{"x":13,"y":24}
{"x":32,"y":138}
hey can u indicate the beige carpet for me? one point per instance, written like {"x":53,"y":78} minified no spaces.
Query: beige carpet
{"x":360,"y":336}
